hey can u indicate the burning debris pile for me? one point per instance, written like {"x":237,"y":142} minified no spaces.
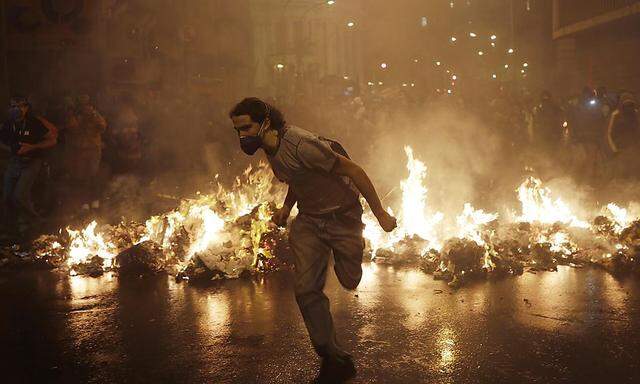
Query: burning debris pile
{"x":224,"y":234}
{"x":544,"y":235}
{"x":228,"y":233}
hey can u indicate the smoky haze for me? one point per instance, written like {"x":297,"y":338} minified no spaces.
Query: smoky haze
{"x":456,"y":80}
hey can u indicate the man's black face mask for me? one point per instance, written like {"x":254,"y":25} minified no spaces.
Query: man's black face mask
{"x":250,"y":144}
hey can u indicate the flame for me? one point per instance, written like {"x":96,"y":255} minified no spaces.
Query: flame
{"x":203,"y":219}
{"x":414,"y":219}
{"x":259,"y":227}
{"x":559,"y":242}
{"x":86,"y":244}
{"x":538,"y":206}
{"x":226,"y":228}
{"x":204,"y":226}
{"x":470,"y":222}
{"x":620,"y":217}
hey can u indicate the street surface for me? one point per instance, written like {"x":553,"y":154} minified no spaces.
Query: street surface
{"x":572,"y":326}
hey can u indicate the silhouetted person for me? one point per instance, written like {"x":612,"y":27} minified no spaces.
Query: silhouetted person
{"x":587,"y":127}
{"x":83,"y":138}
{"x":623,"y":135}
{"x":27,"y":136}
{"x":547,"y":124}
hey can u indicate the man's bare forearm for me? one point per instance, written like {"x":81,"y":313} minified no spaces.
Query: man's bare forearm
{"x":346,"y":167}
{"x":368,"y":191}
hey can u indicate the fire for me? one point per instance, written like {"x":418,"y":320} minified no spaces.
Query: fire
{"x":196,"y":226}
{"x":86,"y":244}
{"x":471,"y":221}
{"x":538,"y":206}
{"x":204,"y":225}
{"x":229,"y":231}
{"x":414,"y":218}
{"x":620,"y":217}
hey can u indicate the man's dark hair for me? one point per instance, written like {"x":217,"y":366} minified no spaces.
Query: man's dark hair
{"x":258,"y":110}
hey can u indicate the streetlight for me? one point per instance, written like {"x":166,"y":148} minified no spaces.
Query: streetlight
{"x":331,"y":2}
{"x":383,"y":65}
{"x":510,"y":50}
{"x":351,"y":24}
{"x":472,"y":34}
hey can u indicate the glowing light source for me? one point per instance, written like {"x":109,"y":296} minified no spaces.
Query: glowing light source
{"x":413,"y":84}
{"x":280,"y":66}
{"x":331,"y":2}
{"x":438,"y":63}
{"x":404,"y":84}
{"x":383,"y":65}
{"x":423,"y":21}
{"x":525,"y":65}
{"x":493,"y":37}
{"x":494,"y":76}
{"x":480,"y":53}
{"x":506,"y":65}
{"x":345,"y":77}
{"x":351,"y":24}
{"x":510,"y":50}
{"x":448,"y":91}
{"x":370,"y":83}
{"x":453,"y":39}
{"x":380,"y":83}
{"x":472,"y":34}
{"x":454,"y":77}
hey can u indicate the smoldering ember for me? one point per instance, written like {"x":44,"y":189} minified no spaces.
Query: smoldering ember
{"x":297,"y":191}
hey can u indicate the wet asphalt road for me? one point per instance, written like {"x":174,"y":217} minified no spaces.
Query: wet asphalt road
{"x":573,"y":326}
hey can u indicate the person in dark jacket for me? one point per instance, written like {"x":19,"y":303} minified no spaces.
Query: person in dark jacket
{"x":28,"y":136}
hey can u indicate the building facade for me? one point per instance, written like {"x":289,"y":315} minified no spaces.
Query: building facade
{"x":597,"y":43}
{"x":87,"y":46}
{"x":305,"y":48}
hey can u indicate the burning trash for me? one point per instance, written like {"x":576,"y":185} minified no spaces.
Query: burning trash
{"x":228,"y":233}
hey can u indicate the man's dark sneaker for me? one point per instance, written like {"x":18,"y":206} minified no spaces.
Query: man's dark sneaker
{"x":336,"y":370}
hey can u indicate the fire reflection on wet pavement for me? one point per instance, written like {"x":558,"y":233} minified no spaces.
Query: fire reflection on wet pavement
{"x":401,"y":325}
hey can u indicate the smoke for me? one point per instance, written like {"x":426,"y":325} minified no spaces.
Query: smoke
{"x":461,"y":154}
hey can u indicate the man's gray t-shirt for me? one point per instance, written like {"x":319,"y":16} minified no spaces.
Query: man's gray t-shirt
{"x":304,"y":161}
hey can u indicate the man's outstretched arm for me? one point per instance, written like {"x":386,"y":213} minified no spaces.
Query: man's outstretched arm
{"x":346,"y":167}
